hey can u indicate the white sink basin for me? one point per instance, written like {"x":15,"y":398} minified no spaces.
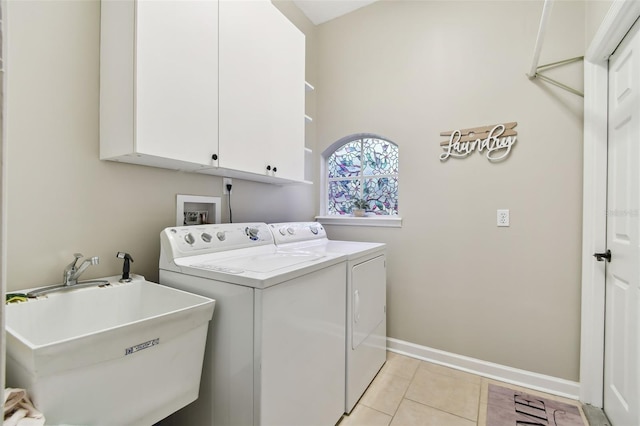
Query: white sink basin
{"x":122,"y":354}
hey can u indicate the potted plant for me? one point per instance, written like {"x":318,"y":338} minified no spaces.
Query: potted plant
{"x":359,"y":207}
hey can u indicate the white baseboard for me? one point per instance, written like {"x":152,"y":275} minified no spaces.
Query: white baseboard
{"x":514,"y":376}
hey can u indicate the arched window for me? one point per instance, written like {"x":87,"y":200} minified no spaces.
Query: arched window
{"x":362,"y":166}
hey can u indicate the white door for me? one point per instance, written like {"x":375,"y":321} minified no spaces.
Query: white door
{"x":621,"y":396}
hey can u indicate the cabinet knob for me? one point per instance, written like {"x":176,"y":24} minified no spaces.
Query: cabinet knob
{"x":214,"y":157}
{"x":275,"y":169}
{"x":268,"y":167}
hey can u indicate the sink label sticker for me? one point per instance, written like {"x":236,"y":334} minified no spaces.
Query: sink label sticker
{"x":141,"y":346}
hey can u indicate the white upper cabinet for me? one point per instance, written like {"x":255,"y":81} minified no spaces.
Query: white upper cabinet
{"x":204,"y":86}
{"x":158,"y":82}
{"x":177,"y":87}
{"x":261,"y":74}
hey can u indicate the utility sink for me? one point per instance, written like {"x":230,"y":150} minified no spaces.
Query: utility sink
{"x":126,"y":353}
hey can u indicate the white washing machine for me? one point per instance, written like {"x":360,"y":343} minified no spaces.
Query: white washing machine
{"x":275,"y":349}
{"x":366,"y":317}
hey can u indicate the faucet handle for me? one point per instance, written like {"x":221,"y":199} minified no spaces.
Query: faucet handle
{"x":75,"y":260}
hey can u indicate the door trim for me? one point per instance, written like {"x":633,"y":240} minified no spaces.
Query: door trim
{"x":614,"y":27}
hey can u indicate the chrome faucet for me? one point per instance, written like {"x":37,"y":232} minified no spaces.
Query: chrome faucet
{"x":70,"y":277}
{"x":71,"y":274}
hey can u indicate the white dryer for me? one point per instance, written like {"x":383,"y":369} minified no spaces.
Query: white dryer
{"x":275,"y":349}
{"x":366,"y":318}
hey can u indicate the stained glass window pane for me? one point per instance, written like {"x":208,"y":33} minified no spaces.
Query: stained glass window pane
{"x":380,"y":157}
{"x":364,"y":168}
{"x":345,"y":161}
{"x":381,"y":194}
{"x":341,"y":195}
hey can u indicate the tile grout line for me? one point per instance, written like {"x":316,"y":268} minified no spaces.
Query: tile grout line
{"x":411,"y":381}
{"x":483,"y":382}
{"x":445,"y":412}
{"x":404,"y":395}
{"x":381,"y":412}
{"x":401,"y":399}
{"x":476,"y":421}
{"x":413,"y":376}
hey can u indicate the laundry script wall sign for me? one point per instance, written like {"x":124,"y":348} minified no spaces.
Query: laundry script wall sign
{"x":495,"y":140}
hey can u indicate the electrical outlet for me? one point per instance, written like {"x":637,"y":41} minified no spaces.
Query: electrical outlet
{"x":225,"y":182}
{"x":503,"y":217}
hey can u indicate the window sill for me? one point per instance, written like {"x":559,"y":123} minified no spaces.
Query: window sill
{"x":381,"y":221}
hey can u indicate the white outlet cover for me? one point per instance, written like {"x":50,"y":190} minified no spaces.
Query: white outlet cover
{"x":503,"y":217}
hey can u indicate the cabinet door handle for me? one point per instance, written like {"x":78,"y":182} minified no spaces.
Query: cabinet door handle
{"x":268,"y":167}
{"x":214,"y":157}
{"x":275,"y":169}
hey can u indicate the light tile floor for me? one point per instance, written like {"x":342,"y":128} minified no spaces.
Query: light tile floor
{"x":410,"y":392}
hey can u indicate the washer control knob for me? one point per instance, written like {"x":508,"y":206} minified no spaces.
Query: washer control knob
{"x":206,"y":237}
{"x":291,"y":231}
{"x":252,"y":233}
{"x":189,"y":239}
{"x":314,"y":230}
{"x":283,"y":231}
{"x":221,"y":235}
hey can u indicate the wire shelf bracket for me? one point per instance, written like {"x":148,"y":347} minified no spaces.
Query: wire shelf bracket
{"x":536,"y":70}
{"x":538,"y":74}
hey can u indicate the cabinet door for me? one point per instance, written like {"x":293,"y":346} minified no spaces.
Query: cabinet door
{"x":244,"y":85}
{"x":288,"y":97}
{"x":176,"y":79}
{"x":261,"y":90}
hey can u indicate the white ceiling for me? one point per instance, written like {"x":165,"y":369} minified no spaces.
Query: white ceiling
{"x":320,"y":11}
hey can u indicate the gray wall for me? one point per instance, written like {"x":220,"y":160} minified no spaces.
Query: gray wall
{"x":61,"y":198}
{"x":409,"y":70}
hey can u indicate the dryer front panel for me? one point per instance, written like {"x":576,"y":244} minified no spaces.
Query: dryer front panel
{"x":368,"y":298}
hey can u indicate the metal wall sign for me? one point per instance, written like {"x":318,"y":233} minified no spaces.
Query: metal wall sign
{"x":496,"y":140}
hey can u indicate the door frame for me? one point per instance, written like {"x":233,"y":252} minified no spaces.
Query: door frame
{"x":614,"y":27}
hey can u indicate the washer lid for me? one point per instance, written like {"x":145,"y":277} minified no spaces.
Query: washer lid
{"x":258,"y":267}
{"x":260,"y":263}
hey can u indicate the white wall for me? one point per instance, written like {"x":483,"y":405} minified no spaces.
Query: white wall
{"x":61,"y":198}
{"x":408,"y":70}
